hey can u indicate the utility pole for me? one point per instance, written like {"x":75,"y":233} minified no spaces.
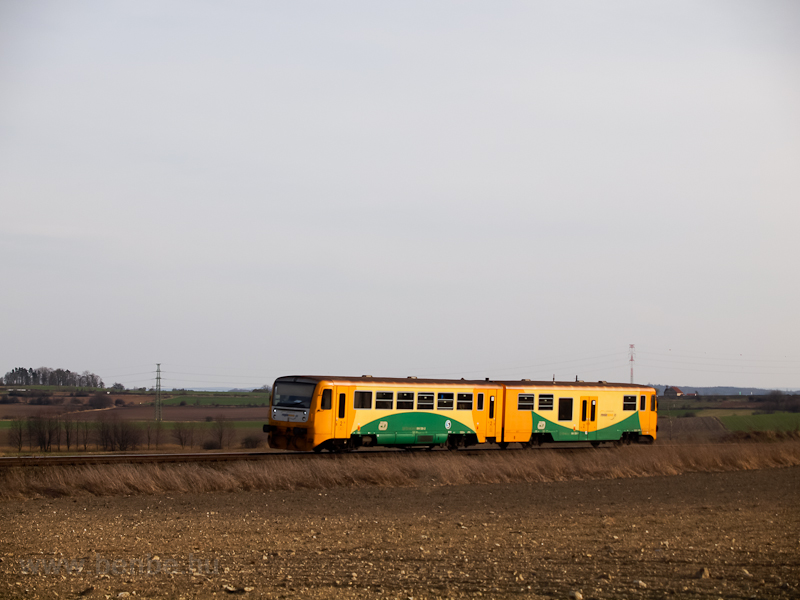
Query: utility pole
{"x":632,"y":354}
{"x":158,"y":391}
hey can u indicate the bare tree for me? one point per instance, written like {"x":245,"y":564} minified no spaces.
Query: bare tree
{"x":115,"y":434}
{"x":126,"y":435}
{"x":158,"y":429}
{"x":16,"y":434}
{"x":222,"y":431}
{"x":191,"y":428}
{"x":43,"y":430}
{"x":84,"y":433}
{"x":70,"y":433}
{"x":180,"y":431}
{"x":147,"y":427}
{"x":102,"y":432}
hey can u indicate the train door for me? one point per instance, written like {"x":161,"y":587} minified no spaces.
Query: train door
{"x":491,"y":420}
{"x":323,"y":416}
{"x":588,"y":426}
{"x":340,"y":414}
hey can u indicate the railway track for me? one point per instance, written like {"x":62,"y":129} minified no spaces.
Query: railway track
{"x":218,"y":457}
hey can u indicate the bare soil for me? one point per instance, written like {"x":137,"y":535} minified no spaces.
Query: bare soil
{"x":628,"y":538}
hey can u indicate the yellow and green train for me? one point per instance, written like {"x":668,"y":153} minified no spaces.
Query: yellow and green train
{"x":344,"y":413}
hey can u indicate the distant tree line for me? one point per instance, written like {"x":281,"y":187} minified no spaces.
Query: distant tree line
{"x":51,"y":431}
{"x":48,"y":376}
{"x":777,"y":401}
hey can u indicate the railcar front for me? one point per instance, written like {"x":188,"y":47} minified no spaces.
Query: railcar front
{"x":292,"y":421}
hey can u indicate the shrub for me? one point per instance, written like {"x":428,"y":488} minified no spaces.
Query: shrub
{"x":182,"y":403}
{"x":209,"y":418}
{"x":100,"y":401}
{"x":211,"y":445}
{"x":251,"y":441}
{"x":119,"y":402}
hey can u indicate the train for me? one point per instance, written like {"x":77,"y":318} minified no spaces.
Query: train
{"x":316,"y":413}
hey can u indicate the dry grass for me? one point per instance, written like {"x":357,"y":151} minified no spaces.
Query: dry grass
{"x":398,"y":470}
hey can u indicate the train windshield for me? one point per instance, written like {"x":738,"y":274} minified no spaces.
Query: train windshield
{"x":293,"y":395}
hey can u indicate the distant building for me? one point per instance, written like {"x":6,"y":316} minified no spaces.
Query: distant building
{"x":672,"y":392}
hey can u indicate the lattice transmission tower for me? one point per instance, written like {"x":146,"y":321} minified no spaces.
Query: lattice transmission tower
{"x":632,"y":354}
{"x":158,"y":392}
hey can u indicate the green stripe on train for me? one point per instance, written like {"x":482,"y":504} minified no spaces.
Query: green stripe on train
{"x":567,"y":434}
{"x":413,"y":428}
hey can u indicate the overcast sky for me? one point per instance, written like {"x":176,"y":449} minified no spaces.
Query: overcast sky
{"x":243,"y":190}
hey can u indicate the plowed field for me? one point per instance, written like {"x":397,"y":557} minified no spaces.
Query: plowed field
{"x":630,"y":538}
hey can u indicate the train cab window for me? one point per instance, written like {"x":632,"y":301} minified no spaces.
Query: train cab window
{"x":629,"y":403}
{"x":525,"y":401}
{"x":425,"y":401}
{"x":444,"y":401}
{"x":643,"y":403}
{"x":545,"y":401}
{"x":653,"y":405}
{"x":405,"y":400}
{"x":464,"y":402}
{"x":565,"y":409}
{"x":362,"y":400}
{"x":384,"y":400}
{"x":342,"y":400}
{"x":327,"y":399}
{"x":480,"y":401}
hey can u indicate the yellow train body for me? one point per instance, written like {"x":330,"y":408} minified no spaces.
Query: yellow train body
{"x":315,"y":412}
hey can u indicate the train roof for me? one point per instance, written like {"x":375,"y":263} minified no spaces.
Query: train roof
{"x":514,"y":383}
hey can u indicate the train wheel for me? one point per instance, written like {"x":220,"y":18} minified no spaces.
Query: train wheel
{"x":595,"y":444}
{"x":503,"y":445}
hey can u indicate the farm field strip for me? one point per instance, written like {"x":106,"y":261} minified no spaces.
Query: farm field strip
{"x":394,"y":469}
{"x":765,"y":422}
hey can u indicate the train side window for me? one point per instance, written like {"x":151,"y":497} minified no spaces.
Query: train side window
{"x":583,"y":410}
{"x":629,"y":403}
{"x":643,"y":403}
{"x":384,"y":400}
{"x":444,"y":401}
{"x":491,"y":407}
{"x":425,"y":401}
{"x":545,"y":401}
{"x":405,"y":400}
{"x":342,"y":400}
{"x":565,"y":409}
{"x":525,"y":401}
{"x":464,"y":402}
{"x":327,"y":399}
{"x":653,"y":403}
{"x":362,"y":400}
{"x":593,"y":418}
{"x":480,"y":401}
